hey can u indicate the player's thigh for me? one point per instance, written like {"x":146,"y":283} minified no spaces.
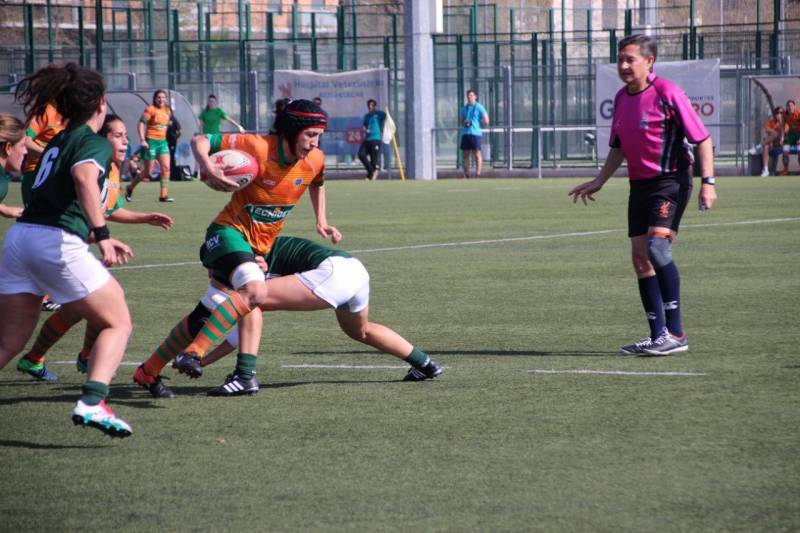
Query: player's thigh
{"x":353,"y":324}
{"x":104,"y":307}
{"x":288,"y":293}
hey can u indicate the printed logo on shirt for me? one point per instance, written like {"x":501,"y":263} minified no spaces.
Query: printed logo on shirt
{"x":268,"y":214}
{"x":298,"y":181}
{"x":212,"y":243}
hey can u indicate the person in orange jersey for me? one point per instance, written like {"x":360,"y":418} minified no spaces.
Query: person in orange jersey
{"x":152,"y":129}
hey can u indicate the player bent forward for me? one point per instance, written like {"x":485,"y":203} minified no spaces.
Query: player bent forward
{"x":302,"y":276}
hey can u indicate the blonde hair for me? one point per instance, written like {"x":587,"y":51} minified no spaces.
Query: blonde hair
{"x":11,"y":130}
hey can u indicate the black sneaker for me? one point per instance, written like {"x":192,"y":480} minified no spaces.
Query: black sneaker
{"x":166,"y":199}
{"x":153,"y":384}
{"x":431,"y":371}
{"x":236,"y":385}
{"x":188,"y":363}
{"x":128,"y":194}
{"x":50,"y":306}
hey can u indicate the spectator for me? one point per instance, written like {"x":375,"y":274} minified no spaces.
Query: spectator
{"x":473,"y":115}
{"x":370,"y":151}
{"x":791,"y":125}
{"x":212,"y":116}
{"x":773,"y":138}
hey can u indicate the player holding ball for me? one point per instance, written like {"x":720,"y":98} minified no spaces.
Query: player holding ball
{"x":289,"y":162}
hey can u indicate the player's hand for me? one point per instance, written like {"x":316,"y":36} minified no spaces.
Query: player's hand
{"x":144,"y":144}
{"x":329,"y":231}
{"x":262,"y":263}
{"x":14,"y":211}
{"x":160,"y":219}
{"x":213,"y":176}
{"x":114,"y":252}
{"x":707,"y":197}
{"x":586,"y":190}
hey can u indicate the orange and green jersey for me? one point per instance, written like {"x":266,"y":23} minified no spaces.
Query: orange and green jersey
{"x":114,"y":199}
{"x":773,"y":125}
{"x":792,"y":122}
{"x":42,"y":129}
{"x":156,"y":119}
{"x":258,"y":211}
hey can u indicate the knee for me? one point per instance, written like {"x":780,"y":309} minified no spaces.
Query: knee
{"x":641,"y":262}
{"x":357,"y":333}
{"x":659,"y":250}
{"x":255,"y":293}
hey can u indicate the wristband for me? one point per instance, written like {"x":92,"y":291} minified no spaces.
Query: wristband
{"x":708,"y":180}
{"x":101,"y":233}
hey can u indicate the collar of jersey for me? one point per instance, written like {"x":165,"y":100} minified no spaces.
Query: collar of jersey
{"x":282,"y":161}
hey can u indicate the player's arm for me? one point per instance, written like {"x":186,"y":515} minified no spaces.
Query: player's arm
{"x":705,"y":157}
{"x":587,"y":189}
{"x":317,"y":193}
{"x":10,"y":211}
{"x":141,"y":128}
{"x":212,"y":174}
{"x":235,"y":124}
{"x":125,"y":216}
{"x":485,"y":118}
{"x":85,"y":176}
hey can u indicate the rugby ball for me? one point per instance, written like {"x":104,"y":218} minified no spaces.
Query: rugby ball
{"x":239,"y":166}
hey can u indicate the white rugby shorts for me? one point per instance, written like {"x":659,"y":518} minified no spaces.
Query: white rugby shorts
{"x":43,"y":260}
{"x":339,"y":281}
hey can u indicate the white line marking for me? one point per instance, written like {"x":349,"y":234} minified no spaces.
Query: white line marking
{"x":615,"y":372}
{"x":497,"y":241}
{"x":350,"y":367}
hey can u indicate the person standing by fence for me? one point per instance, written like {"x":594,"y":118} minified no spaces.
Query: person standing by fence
{"x":212,"y":116}
{"x":473,"y":118}
{"x":370,"y":151}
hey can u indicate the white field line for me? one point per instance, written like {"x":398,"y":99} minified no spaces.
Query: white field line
{"x":614,"y":372}
{"x":496,"y":241}
{"x":350,"y":367}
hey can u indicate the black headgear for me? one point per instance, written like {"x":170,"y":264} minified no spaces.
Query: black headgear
{"x":297,"y":116}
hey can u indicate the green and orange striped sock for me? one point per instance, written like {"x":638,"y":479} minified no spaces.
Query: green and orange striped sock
{"x":177,"y":340}
{"x":222,"y":319}
{"x":164,"y":192}
{"x":89,"y":338}
{"x":52,"y":330}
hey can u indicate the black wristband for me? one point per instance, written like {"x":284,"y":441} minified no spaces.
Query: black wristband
{"x":708,"y":180}
{"x":101,"y":233}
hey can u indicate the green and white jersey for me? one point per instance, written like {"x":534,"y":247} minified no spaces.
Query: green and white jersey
{"x":4,"y":179}
{"x":54,"y":201}
{"x":290,"y":255}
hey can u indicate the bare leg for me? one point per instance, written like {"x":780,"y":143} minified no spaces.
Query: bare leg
{"x":105,"y":310}
{"x":358,"y":327}
{"x":18,"y":316}
{"x":478,"y":163}
{"x":164,"y":163}
{"x":465,"y":157}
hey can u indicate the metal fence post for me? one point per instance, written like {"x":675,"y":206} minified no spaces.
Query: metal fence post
{"x":535,"y":95}
{"x":98,"y":34}
{"x":253,"y":101}
{"x":508,"y":106}
{"x":132,"y":85}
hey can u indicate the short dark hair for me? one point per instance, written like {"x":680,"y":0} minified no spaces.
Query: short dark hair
{"x":214,"y":96}
{"x":371,"y":101}
{"x":647,"y":45}
{"x":110,"y":118}
{"x":790,"y":102}
{"x":473,"y":91}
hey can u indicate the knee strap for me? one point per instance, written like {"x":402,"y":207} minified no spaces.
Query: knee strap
{"x":659,"y":250}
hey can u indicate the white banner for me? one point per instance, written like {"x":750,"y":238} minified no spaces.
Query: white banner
{"x":344,"y":97}
{"x":699,"y":80}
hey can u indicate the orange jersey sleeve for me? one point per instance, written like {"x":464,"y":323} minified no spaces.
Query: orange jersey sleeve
{"x":793,"y":122}
{"x":156,"y":119}
{"x":259,"y":210}
{"x":42,"y":129}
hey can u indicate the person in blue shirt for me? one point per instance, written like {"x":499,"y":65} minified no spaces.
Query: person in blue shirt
{"x":473,"y":117}
{"x":370,"y":151}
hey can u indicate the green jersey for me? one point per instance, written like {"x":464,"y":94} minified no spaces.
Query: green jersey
{"x":53,"y":200}
{"x":211,"y":119}
{"x":290,"y":255}
{"x":4,"y":179}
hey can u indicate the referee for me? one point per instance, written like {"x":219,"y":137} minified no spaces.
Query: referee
{"x":652,"y":121}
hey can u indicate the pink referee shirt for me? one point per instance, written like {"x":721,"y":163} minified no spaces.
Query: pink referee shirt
{"x":651,"y":128}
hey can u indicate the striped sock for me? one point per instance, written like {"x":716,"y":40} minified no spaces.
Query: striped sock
{"x":89,"y":338}
{"x":52,"y":330}
{"x":219,"y":323}
{"x":177,"y":340}
{"x":164,"y":185}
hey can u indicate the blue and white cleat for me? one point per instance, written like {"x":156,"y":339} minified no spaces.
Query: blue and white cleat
{"x":101,"y":417}
{"x":667,"y":344}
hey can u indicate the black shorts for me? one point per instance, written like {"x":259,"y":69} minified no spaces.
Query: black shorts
{"x":658,"y":202}
{"x":470,"y":142}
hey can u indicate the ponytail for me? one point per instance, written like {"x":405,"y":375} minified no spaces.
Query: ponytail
{"x":75,"y":91}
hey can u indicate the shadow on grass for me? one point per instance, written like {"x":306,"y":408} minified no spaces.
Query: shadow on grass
{"x":118,"y":396}
{"x":39,"y":446}
{"x":497,"y":353}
